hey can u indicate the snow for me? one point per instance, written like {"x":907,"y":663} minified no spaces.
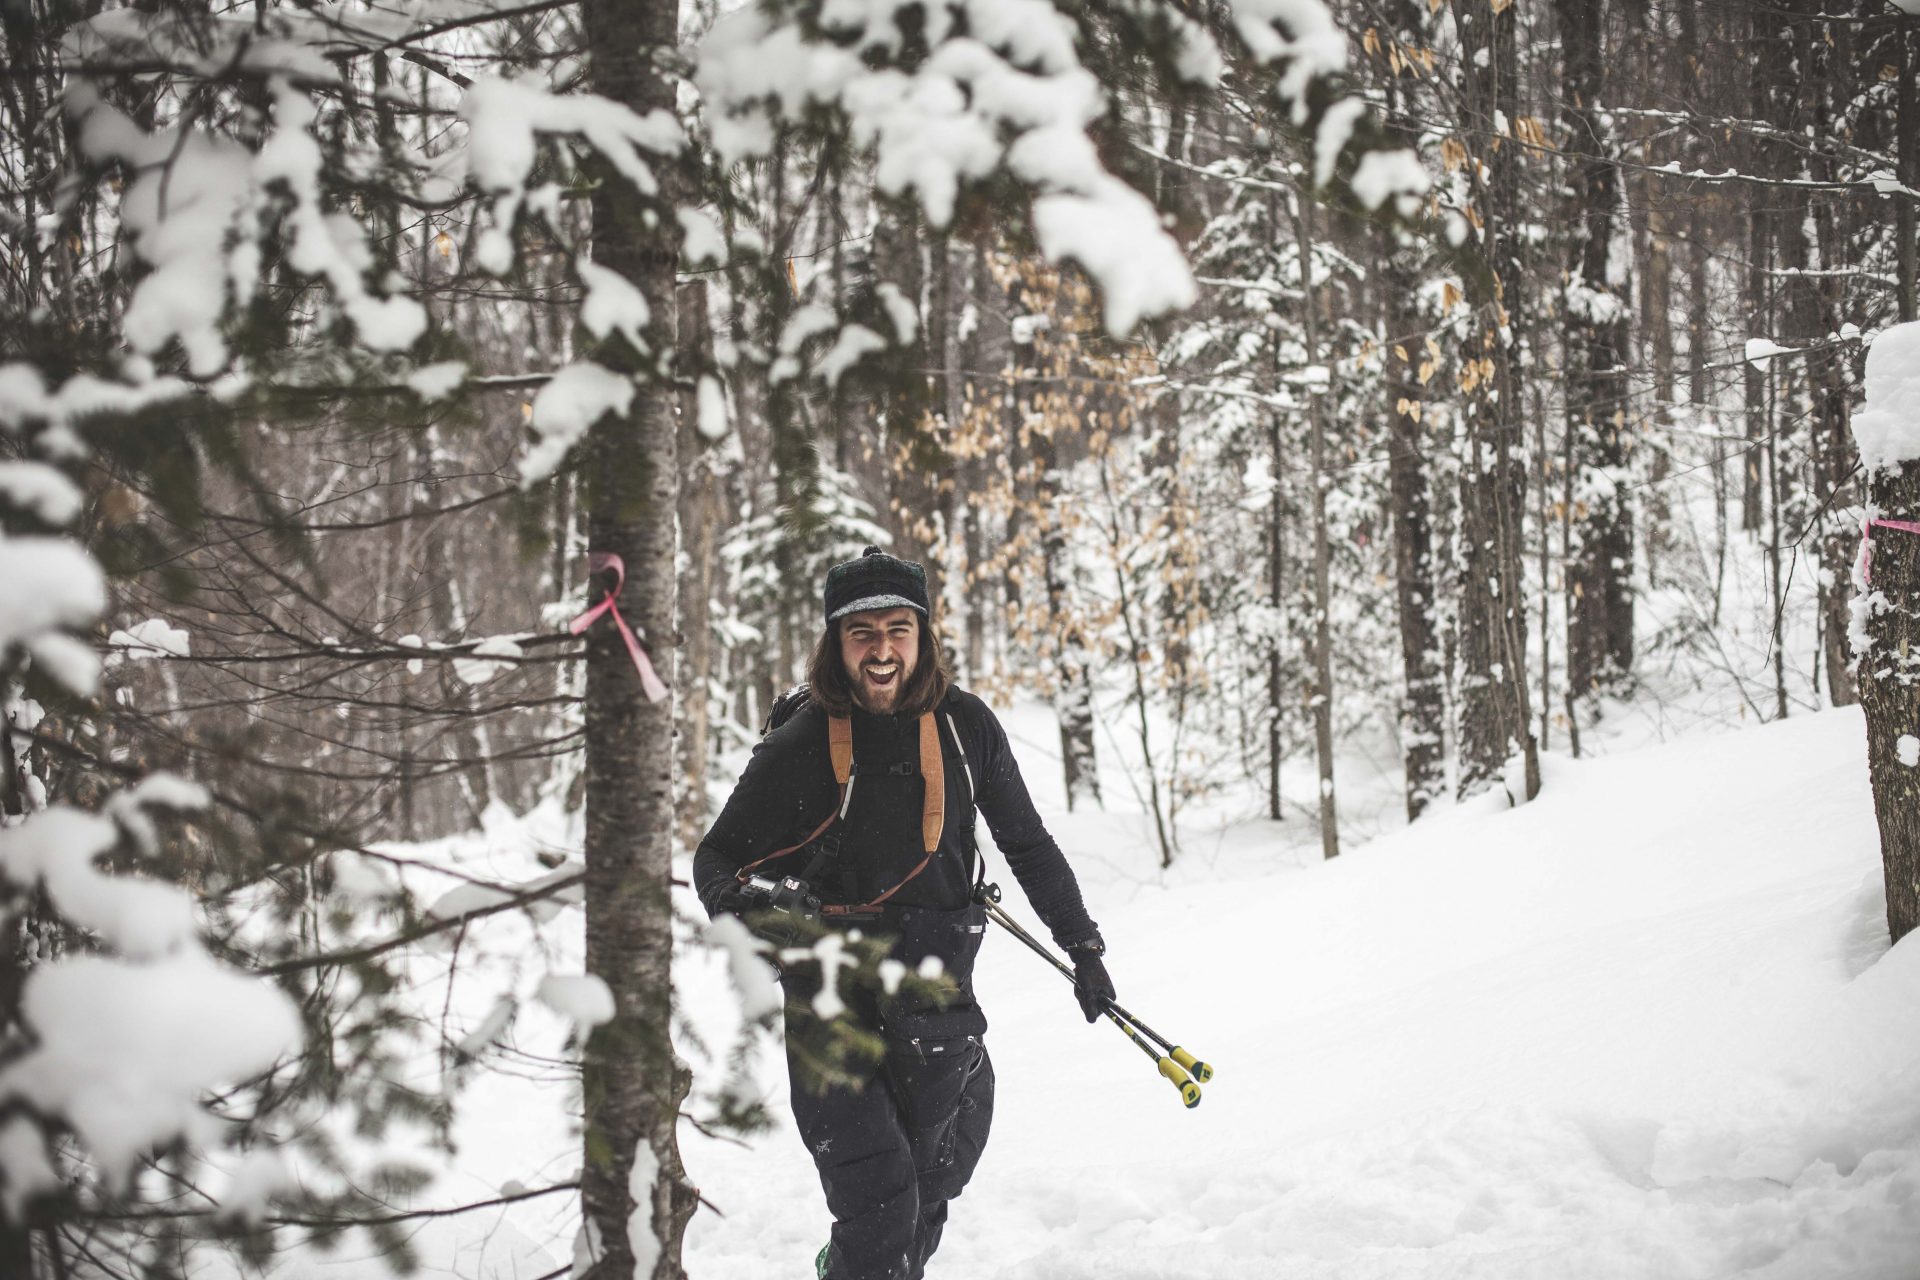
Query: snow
{"x":1646,"y":1026}
{"x":582,"y":998}
{"x":1010,"y":91}
{"x":852,"y":344}
{"x":51,"y":583}
{"x":1396,"y":175}
{"x":477,"y":670}
{"x":1300,"y":33}
{"x":701,"y":243}
{"x":714,"y":421}
{"x":332,"y":247}
{"x":141,"y":918}
{"x":37,"y":487}
{"x":1116,"y":237}
{"x":504,"y":115}
{"x":640,"y":1237}
{"x":153,"y":638}
{"x":30,"y":1172}
{"x":437,"y":381}
{"x":126,"y":1051}
{"x":1662,"y":1037}
{"x":614,"y":304}
{"x":1761,"y":351}
{"x":1887,"y":427}
{"x":572,"y":401}
{"x":1908,"y":750}
{"x":1330,"y":139}
{"x":24,"y":398}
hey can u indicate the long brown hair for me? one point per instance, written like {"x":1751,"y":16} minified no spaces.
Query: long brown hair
{"x":828,"y":685}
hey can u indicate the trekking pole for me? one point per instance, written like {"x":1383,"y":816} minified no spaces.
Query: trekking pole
{"x":1202,"y":1071}
{"x":1174,"y":1064}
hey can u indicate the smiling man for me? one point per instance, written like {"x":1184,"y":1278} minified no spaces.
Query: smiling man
{"x":865,"y":796}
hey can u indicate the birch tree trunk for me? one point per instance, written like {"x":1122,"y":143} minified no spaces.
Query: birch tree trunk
{"x":636,"y":1194}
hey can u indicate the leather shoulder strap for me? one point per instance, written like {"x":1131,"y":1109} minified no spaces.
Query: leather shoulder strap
{"x":933,"y":809}
{"x":840,"y":744}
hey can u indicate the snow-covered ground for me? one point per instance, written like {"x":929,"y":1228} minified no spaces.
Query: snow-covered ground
{"x":1647,"y":1026}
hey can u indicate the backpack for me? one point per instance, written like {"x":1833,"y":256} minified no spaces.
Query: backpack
{"x":789,"y":704}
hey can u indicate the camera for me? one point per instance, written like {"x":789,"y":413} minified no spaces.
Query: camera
{"x":788,"y":895}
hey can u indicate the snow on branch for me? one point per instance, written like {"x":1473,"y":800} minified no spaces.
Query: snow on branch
{"x":1001,"y":88}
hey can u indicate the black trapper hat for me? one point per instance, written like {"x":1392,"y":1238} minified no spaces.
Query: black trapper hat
{"x":875,"y":581}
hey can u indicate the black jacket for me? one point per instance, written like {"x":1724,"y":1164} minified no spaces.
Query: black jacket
{"x":788,"y":789}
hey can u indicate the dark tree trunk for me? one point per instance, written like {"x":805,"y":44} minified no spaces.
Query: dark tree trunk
{"x":1071,"y":679}
{"x":1828,"y":373}
{"x":631,"y":1082}
{"x":700,"y":519}
{"x":1423,"y":714}
{"x":1907,"y":236}
{"x":1600,"y":625}
{"x":1890,"y":694}
{"x":1322,"y":553}
{"x":1495,"y":720}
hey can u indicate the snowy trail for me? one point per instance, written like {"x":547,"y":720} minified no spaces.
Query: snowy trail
{"x":1615,"y":1033}
{"x":1646,"y":1027}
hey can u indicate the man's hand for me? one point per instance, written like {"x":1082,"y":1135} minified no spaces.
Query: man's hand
{"x":728,"y":897}
{"x":1091,"y":985}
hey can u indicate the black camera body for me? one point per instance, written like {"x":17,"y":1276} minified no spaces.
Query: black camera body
{"x":787,"y":895}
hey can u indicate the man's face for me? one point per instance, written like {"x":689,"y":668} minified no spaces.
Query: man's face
{"x":878,"y":648}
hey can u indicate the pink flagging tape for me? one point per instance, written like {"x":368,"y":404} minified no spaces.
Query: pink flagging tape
{"x":1866,"y":541}
{"x":596,"y":561}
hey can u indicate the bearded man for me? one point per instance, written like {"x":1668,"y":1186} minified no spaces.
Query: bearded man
{"x":864,"y":799}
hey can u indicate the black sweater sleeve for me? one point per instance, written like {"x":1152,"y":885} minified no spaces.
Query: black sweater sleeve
{"x":1030,"y":850}
{"x":785,"y":792}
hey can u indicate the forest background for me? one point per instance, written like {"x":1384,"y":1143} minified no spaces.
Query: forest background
{"x":1253,"y":379}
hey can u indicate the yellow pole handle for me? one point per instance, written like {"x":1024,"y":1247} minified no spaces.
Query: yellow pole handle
{"x":1189,"y":1091}
{"x":1201,"y":1071}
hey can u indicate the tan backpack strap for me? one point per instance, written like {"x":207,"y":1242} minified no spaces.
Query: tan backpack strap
{"x":933,"y":809}
{"x":840,"y":743}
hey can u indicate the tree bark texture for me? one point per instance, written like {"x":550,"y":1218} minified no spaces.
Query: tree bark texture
{"x":701,"y":514}
{"x":1322,"y":553}
{"x":1595,"y":309}
{"x":1423,"y":712}
{"x":1494,"y":715}
{"x":1072,"y":682}
{"x":632,"y":1082}
{"x":1889,"y":681}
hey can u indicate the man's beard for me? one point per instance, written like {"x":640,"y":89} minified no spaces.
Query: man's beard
{"x":880,"y":699}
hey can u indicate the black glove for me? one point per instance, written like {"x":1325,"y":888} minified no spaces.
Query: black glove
{"x":726,"y":896}
{"x":1091,"y":985}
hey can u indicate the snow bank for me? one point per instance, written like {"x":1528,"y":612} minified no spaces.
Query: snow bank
{"x":1887,"y":428}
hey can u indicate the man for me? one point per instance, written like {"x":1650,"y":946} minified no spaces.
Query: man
{"x":866,"y":794}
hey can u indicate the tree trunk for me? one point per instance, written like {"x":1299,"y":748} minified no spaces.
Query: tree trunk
{"x":1907,"y":236}
{"x":1494,"y":715}
{"x":1322,"y":553}
{"x":1423,"y":713}
{"x":637,"y":1197}
{"x":1890,"y":693}
{"x":1072,"y":681}
{"x":700,"y":517}
{"x":1600,"y":625}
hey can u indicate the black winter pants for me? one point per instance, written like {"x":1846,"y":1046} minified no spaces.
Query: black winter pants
{"x":895,"y":1126}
